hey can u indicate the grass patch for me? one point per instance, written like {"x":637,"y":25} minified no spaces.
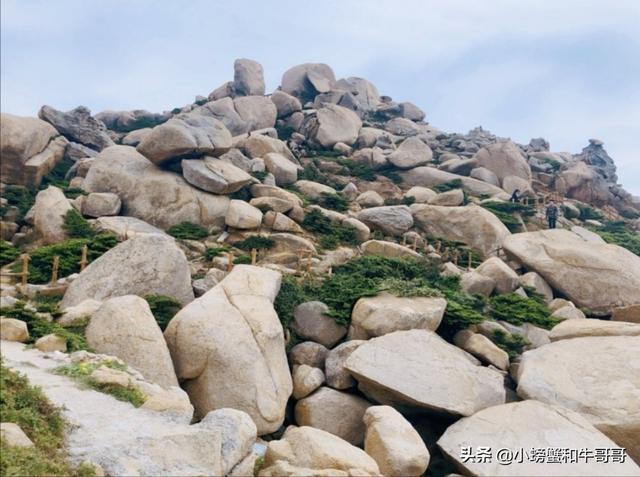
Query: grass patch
{"x":69,"y":251}
{"x":617,"y":233}
{"x":242,"y":260}
{"x":212,"y":252}
{"x":259,"y":242}
{"x":188,"y":231}
{"x":331,"y":235}
{"x":8,"y":253}
{"x":28,"y":407}
{"x":513,"y":344}
{"x":516,"y":309}
{"x":163,"y":308}
{"x":39,"y":327}
{"x":76,"y":225}
{"x":82,"y":372}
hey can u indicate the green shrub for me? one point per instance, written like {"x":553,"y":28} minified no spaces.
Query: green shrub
{"x":516,"y":309}
{"x":331,"y":235}
{"x":82,"y":372}
{"x":588,"y":213}
{"x":56,"y":176}
{"x":255,"y":241}
{"x":403,"y":201}
{"x":260,"y":175}
{"x":76,"y":225}
{"x":242,"y":260}
{"x":69,"y":251}
{"x":447,"y":186}
{"x":188,"y":231}
{"x":39,"y":327}
{"x":28,"y":407}
{"x":617,"y":233}
{"x":163,"y":308}
{"x":284,"y":132}
{"x":20,"y":197}
{"x":506,"y":212}
{"x":368,"y":173}
{"x":511,"y":343}
{"x":569,"y":213}
{"x":211,"y":252}
{"x":73,"y":192}
{"x":8,"y":253}
{"x":333,"y":201}
{"x":630,"y":214}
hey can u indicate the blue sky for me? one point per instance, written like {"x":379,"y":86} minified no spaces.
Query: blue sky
{"x":565,"y":70}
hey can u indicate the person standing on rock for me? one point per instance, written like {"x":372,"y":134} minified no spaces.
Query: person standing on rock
{"x":515,"y":197}
{"x":552,"y":214}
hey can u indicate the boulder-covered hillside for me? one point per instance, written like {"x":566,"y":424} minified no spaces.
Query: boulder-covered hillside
{"x":312,"y":282}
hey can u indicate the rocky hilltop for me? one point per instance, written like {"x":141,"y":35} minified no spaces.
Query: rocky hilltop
{"x":315,"y":281}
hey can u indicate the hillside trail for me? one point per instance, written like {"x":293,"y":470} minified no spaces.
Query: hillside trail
{"x":122,"y":439}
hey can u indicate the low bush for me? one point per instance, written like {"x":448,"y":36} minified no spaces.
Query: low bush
{"x":242,"y":260}
{"x":447,"y":186}
{"x":188,"y":231}
{"x":511,"y":343}
{"x":516,"y":309}
{"x":332,"y":201}
{"x":259,"y":242}
{"x":588,"y":213}
{"x":212,"y":252}
{"x":331,"y":235}
{"x":506,"y":212}
{"x":617,"y":233}
{"x":8,"y":253}
{"x":77,"y":226}
{"x":20,"y":197}
{"x":163,"y":308}
{"x":28,"y":407}
{"x":403,"y":201}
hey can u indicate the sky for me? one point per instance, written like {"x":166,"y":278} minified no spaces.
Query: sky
{"x":565,"y":70}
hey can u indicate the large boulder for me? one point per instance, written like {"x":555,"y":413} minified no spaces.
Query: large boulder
{"x":125,"y":227}
{"x":224,"y":110}
{"x":385,"y":313}
{"x":242,"y":215}
{"x":417,"y":368}
{"x":306,"y":380}
{"x":411,"y":153}
{"x":99,"y":204}
{"x":183,"y":135}
{"x":505,"y":278}
{"x":258,"y":112}
{"x":388,"y":249}
{"x":78,"y":125}
{"x":592,"y":275}
{"x":228,"y":348}
{"x":332,"y":124}
{"x":307,"y":80}
{"x":599,"y":377}
{"x":522,"y":427}
{"x":135,"y":120}
{"x":394,"y":444}
{"x":143,"y":265}
{"x":334,"y":411}
{"x":309,"y":448}
{"x":504,"y":159}
{"x":49,"y":212}
{"x":311,"y":321}
{"x":472,"y":225}
{"x":29,"y":148}
{"x":284,"y":171}
{"x":338,"y":376}
{"x":426,"y":176}
{"x":391,"y":220}
{"x":159,"y":197}
{"x":248,"y":77}
{"x":581,"y":182}
{"x":214,"y":175}
{"x":285,"y":103}
{"x":124,"y":327}
{"x":581,"y":328}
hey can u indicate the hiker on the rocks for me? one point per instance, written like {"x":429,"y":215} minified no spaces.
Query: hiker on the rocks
{"x":552,"y":214}
{"x":515,"y":197}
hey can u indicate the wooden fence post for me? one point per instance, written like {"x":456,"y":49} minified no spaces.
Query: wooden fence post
{"x":469,"y":267}
{"x":414,"y":246}
{"x":83,"y":257}
{"x":254,"y":256}
{"x":25,"y":268}
{"x":229,"y":261}
{"x":54,"y":269}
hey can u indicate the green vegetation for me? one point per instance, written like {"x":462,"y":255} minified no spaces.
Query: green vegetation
{"x":506,"y":212}
{"x":511,"y":343}
{"x":630,"y":214}
{"x":555,"y":165}
{"x":211,"y":252}
{"x":284,"y":132}
{"x":20,"y":197}
{"x":8,"y":253}
{"x":69,"y":251}
{"x":516,"y":309}
{"x":28,"y":407}
{"x":255,"y":241}
{"x":56,"y":176}
{"x":163,"y":308}
{"x":588,"y":213}
{"x":368,"y":173}
{"x":82,"y":372}
{"x":73,"y":192}
{"x":242,"y":260}
{"x":188,"y":231}
{"x":403,"y":201}
{"x":260,"y":175}
{"x":617,"y":233}
{"x":447,"y":186}
{"x":331,"y":235}
{"x":569,"y":213}
{"x":77,"y":226}
{"x":333,"y":201}
{"x":39,"y":326}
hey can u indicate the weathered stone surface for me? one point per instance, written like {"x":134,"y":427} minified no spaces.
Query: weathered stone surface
{"x":402,"y":127}
{"x":596,"y":276}
{"x":586,"y":375}
{"x":143,"y":265}
{"x":568,"y":312}
{"x":535,"y":281}
{"x":504,"y":159}
{"x":79,"y":314}
{"x":49,"y":212}
{"x":426,"y":176}
{"x":393,"y":443}
{"x":385,"y":313}
{"x":125,"y":121}
{"x":314,"y":190}
{"x":310,"y":353}
{"x":306,"y":80}
{"x":391,"y":220}
{"x":159,"y":197}
{"x":242,"y":215}
{"x":262,"y":190}
{"x":248,"y":77}
{"x":183,"y":135}
{"x":482,"y":348}
{"x":78,"y":125}
{"x":411,"y":153}
{"x":526,"y":425}
{"x":258,"y":112}
{"x":228,"y":348}
{"x":310,"y":448}
{"x":306,"y":380}
{"x":286,"y":242}
{"x":473,"y":225}
{"x":475,"y":283}
{"x":51,"y":342}
{"x":451,"y":198}
{"x":214,"y":175}
{"x":505,"y":278}
{"x":272,"y":203}
{"x":280,"y":222}
{"x":387,"y":249}
{"x":100,"y":204}
{"x":422,"y":195}
{"x":285,"y":103}
{"x":370,"y":198}
{"x":417,"y":368}
{"x":30,"y":148}
{"x":627,"y":313}
{"x":13,"y":330}
{"x":332,"y":124}
{"x":592,"y":327}
{"x":485,"y":175}
{"x":311,"y":322}
{"x":258,"y":146}
{"x":334,"y":411}
{"x":125,"y":227}
{"x":338,"y":377}
{"x":13,"y":436}
{"x":285,"y":171}
{"x":125,"y":327}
